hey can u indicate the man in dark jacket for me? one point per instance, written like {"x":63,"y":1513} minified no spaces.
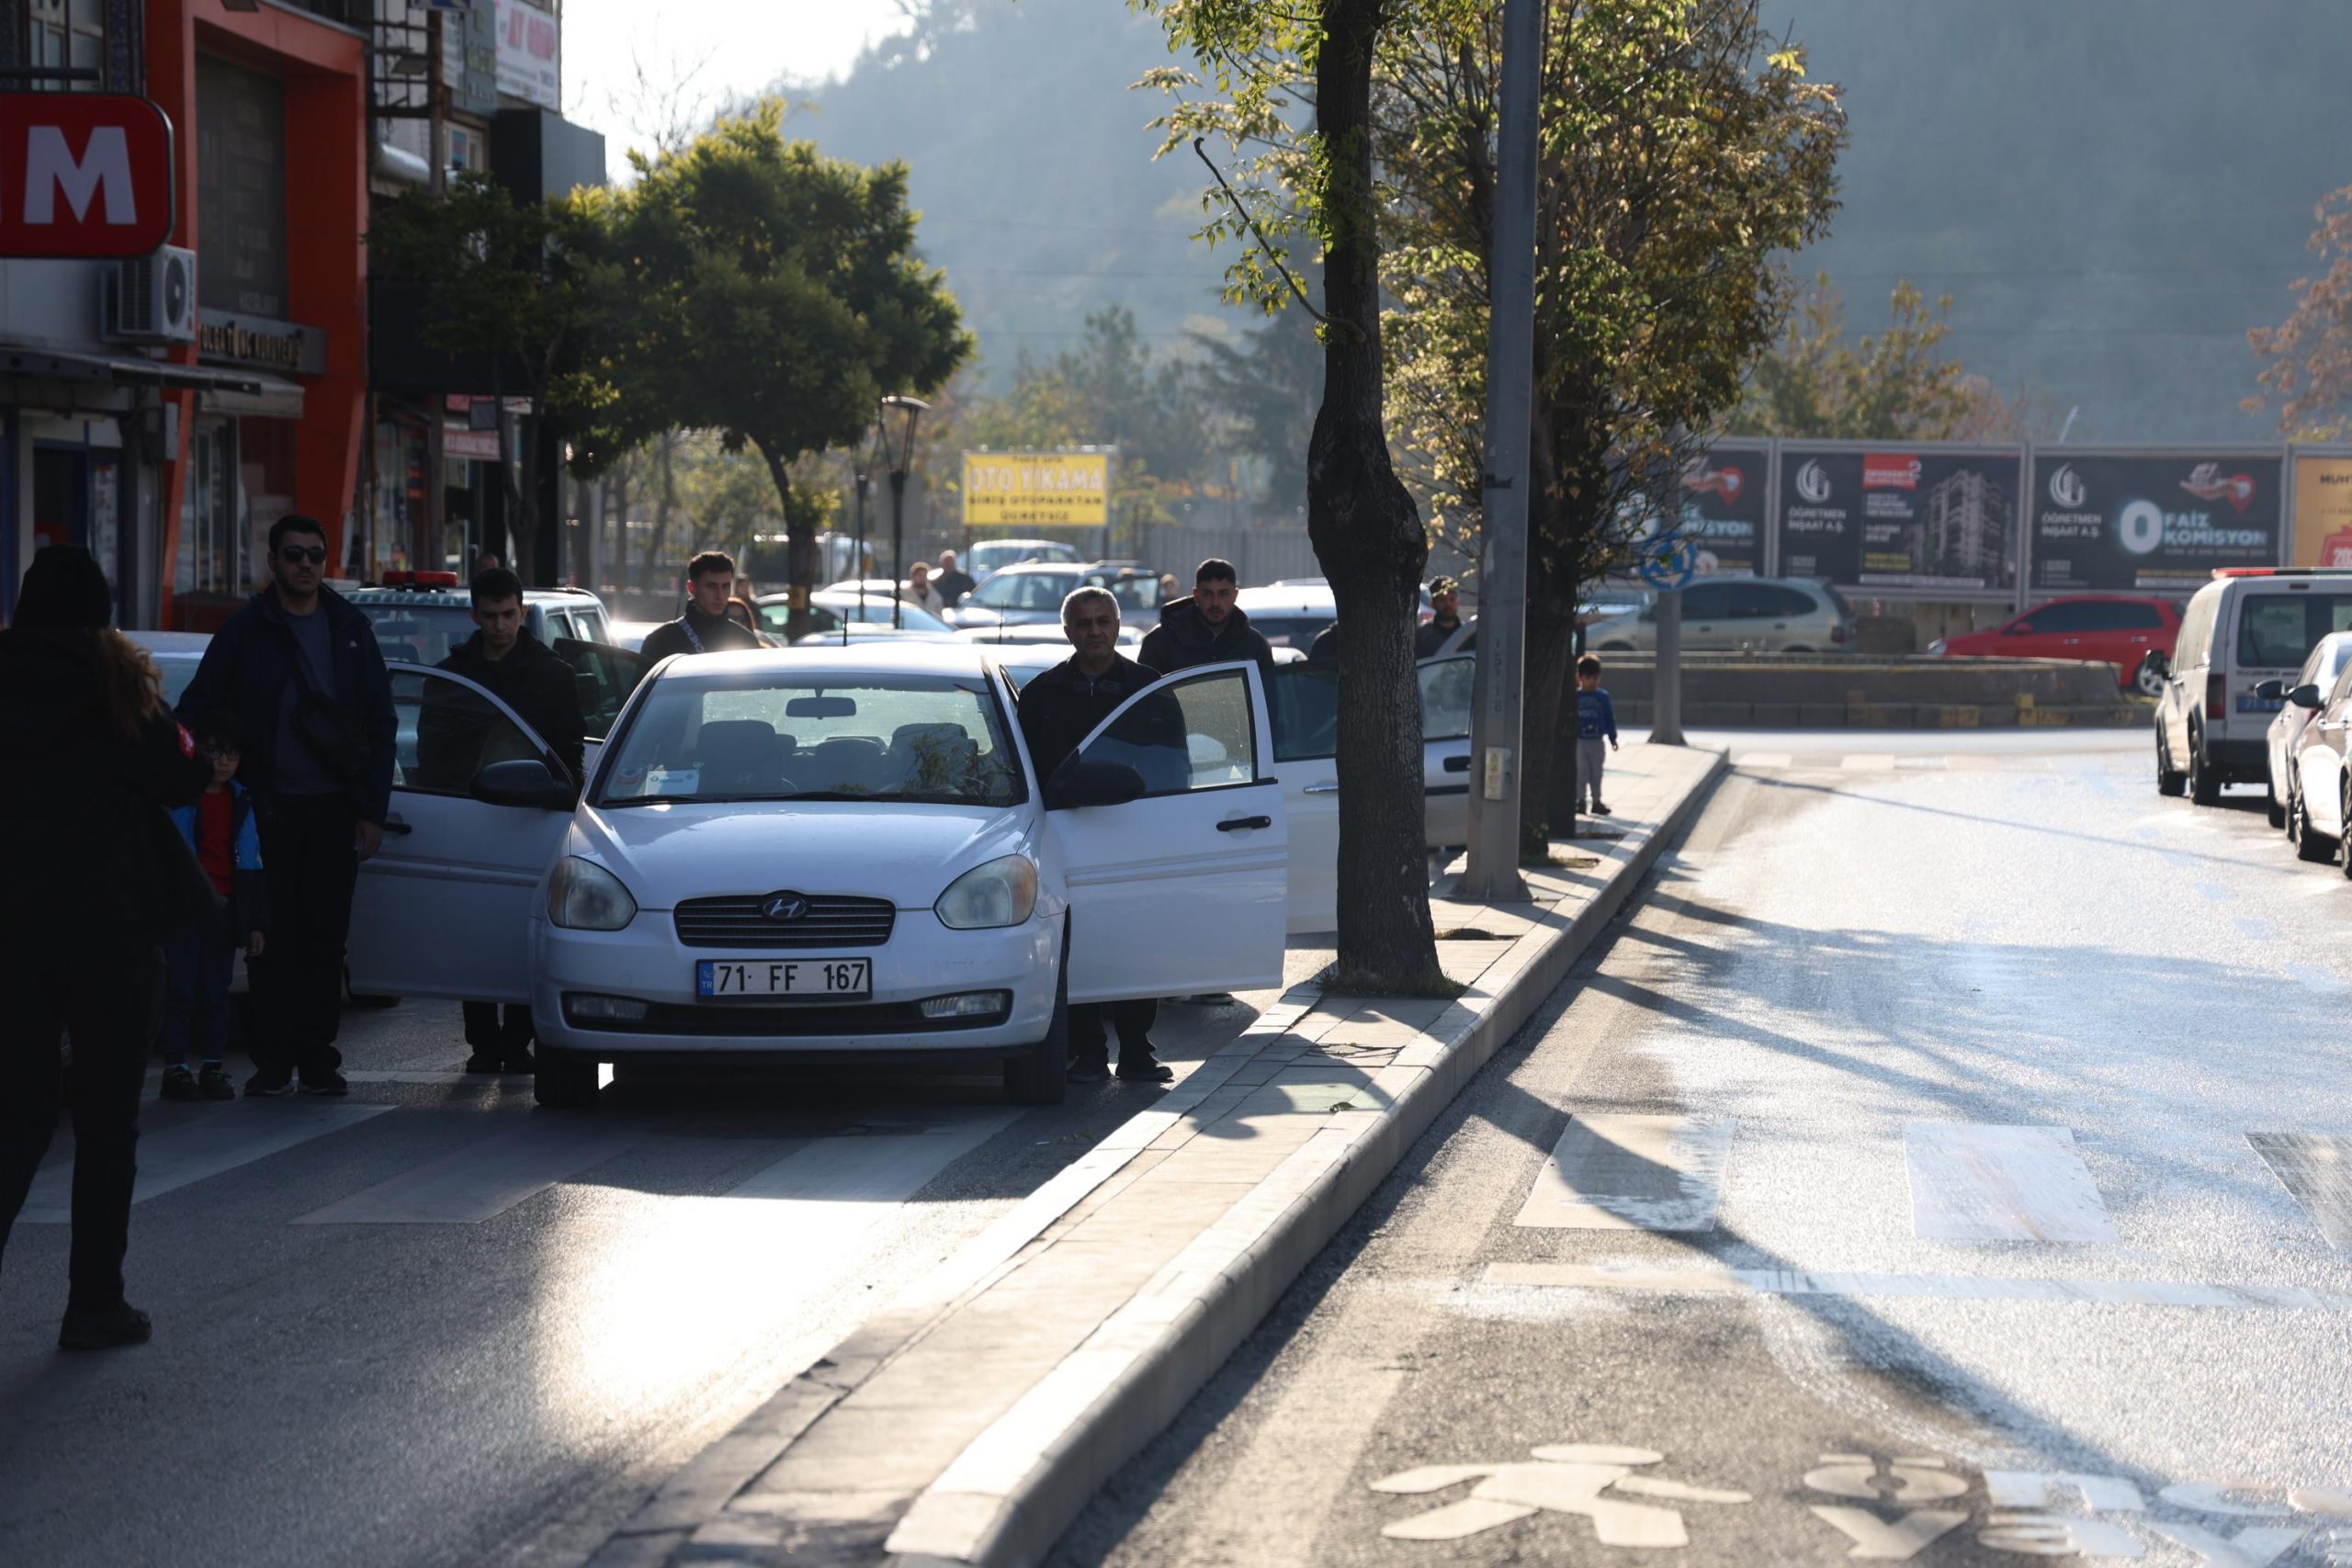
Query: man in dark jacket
{"x":1058,"y":709}
{"x":1445,"y":600}
{"x":92,"y":878}
{"x":705,"y":627}
{"x":1208,"y":628}
{"x":456,"y":738}
{"x":952,"y":581}
{"x":300,"y":670}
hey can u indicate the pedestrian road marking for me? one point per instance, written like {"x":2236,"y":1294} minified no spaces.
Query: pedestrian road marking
{"x":1645,"y":1173}
{"x":887,"y":1170}
{"x":2316,"y":1170}
{"x":1767,"y":760}
{"x":482,"y":1180}
{"x":1975,"y":1182}
{"x":202,"y":1146}
{"x":1869,"y":762}
{"x":1720,"y":1280}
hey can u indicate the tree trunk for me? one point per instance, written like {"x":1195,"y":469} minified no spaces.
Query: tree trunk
{"x":1370,"y":541}
{"x":1546,"y":809}
{"x":665,"y":502}
{"x":800,"y":547}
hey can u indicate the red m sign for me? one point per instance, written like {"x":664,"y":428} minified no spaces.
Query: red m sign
{"x":83,"y":175}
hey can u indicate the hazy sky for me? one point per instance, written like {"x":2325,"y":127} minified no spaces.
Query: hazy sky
{"x":717,"y":48}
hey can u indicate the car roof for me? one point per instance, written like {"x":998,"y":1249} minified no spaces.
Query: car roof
{"x":174,"y":643}
{"x":463,"y":599}
{"x":1283,"y":596}
{"x":860,"y":658}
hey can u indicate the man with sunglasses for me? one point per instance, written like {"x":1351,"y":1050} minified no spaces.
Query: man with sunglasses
{"x":298,"y":669}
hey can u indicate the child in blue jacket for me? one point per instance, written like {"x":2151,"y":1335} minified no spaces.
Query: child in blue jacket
{"x":1596,"y":723}
{"x":220,"y":829}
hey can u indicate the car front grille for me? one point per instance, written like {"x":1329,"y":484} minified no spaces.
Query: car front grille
{"x":832,"y":921}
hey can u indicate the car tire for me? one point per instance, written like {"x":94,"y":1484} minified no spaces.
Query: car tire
{"x":1040,"y":1074}
{"x":564,"y":1080}
{"x":2344,"y":841}
{"x":2169,"y":781}
{"x":1796,"y":650}
{"x":2308,"y":846}
{"x":1615,"y":647}
{"x":2204,"y":785}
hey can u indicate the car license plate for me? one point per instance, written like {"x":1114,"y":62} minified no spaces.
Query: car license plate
{"x":719,"y":979}
{"x":2258,"y":705}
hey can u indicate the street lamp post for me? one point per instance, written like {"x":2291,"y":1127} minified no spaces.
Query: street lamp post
{"x":901,"y":456}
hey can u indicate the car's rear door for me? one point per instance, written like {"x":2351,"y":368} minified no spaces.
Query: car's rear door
{"x":1185,"y":890}
{"x":1303,"y":701}
{"x":444,"y":908}
{"x":1446,"y":684}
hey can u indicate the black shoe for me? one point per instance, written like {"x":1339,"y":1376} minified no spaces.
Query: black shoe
{"x":330,"y":1083}
{"x":483,"y":1062}
{"x":518,"y":1060}
{"x":1599,"y":810}
{"x":269,"y":1083}
{"x":1145,"y":1071}
{"x":213,"y":1079}
{"x":180,"y":1084}
{"x":1088,"y":1072}
{"x":108,"y":1328}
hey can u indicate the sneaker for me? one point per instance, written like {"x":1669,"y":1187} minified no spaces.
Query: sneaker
{"x":269,"y":1083}
{"x":1088,"y":1072}
{"x":329,"y":1084}
{"x":213,"y":1079}
{"x":483,"y":1062}
{"x":108,"y":1328}
{"x":1145,"y":1071}
{"x":1599,"y":810}
{"x":180,"y":1084}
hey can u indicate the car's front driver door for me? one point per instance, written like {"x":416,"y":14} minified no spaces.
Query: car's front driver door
{"x":1446,"y":684}
{"x":1184,"y":890}
{"x":444,"y":908}
{"x":1304,"y":703}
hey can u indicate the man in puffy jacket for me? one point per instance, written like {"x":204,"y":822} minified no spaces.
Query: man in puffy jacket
{"x":1208,"y":628}
{"x":93,"y":879}
{"x":299,"y":670}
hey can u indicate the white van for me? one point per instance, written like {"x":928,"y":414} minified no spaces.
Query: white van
{"x":2248,"y":625}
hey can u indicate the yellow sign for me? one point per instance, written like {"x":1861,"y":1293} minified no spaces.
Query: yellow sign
{"x":2323,"y":512}
{"x":1036,"y":489}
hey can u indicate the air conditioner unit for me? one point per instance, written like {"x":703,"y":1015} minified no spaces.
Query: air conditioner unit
{"x":152,"y":298}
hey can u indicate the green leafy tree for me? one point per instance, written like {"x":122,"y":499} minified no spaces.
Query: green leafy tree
{"x":777,"y":297}
{"x":1896,"y":385}
{"x":1252,"y":62}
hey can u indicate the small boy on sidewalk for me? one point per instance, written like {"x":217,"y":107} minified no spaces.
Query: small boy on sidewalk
{"x":1595,"y":722}
{"x":220,"y":829}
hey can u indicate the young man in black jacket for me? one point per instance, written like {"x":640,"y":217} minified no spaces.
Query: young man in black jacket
{"x":704,"y":628}
{"x":1058,"y":709}
{"x":454,"y":741}
{"x":1208,"y":628}
{"x":300,"y":670}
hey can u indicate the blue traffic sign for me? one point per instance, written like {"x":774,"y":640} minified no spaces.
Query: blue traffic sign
{"x":1669,"y":563}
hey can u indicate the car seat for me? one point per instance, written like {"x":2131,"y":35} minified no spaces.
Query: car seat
{"x":854,"y":764}
{"x":933,"y":758}
{"x":741,"y":756}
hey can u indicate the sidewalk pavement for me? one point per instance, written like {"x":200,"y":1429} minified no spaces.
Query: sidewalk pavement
{"x":969,"y":1421}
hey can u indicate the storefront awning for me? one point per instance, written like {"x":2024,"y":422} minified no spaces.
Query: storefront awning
{"x":223,"y":391}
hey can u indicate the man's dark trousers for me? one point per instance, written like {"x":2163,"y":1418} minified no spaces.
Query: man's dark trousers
{"x":311,"y":869}
{"x":1088,"y":1046}
{"x":109,"y":1005}
{"x":485,"y":1031}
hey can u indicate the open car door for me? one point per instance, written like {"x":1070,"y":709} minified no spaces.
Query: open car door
{"x":1304,"y":703}
{"x":444,"y":908}
{"x":1184,"y":888}
{"x":1445,"y":749}
{"x":604,"y":675}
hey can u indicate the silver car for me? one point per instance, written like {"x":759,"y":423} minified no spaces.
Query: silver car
{"x":2283,"y":738}
{"x":1740,"y":614}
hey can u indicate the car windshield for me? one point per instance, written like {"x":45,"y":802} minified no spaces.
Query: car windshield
{"x":2276,"y":631}
{"x":1025,"y":590}
{"x":419,"y":634}
{"x":828,"y":613}
{"x":785,"y":736}
{"x":1297,"y":630}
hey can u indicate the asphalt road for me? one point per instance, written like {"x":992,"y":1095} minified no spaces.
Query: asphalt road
{"x":429,"y":1324}
{"x":1950,"y":1161}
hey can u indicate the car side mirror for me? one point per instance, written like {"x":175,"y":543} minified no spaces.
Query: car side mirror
{"x":2304,"y":696}
{"x":1081,"y":780}
{"x":2270,"y":692}
{"x":2016,"y":628}
{"x":525,"y":780}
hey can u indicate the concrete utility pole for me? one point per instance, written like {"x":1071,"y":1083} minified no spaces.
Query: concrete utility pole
{"x":1666,"y":686}
{"x":1492,"y":873}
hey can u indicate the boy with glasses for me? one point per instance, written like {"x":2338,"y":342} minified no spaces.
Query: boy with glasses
{"x":220,"y":829}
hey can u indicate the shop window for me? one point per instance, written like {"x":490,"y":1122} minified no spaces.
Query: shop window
{"x":67,"y":34}
{"x":210,"y":558}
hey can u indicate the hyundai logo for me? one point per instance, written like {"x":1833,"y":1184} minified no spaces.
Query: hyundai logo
{"x":783,"y":907}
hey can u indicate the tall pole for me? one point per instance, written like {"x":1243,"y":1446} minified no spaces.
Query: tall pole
{"x":1666,"y":683}
{"x":898,"y":547}
{"x":1492,"y":873}
{"x":858,"y":566}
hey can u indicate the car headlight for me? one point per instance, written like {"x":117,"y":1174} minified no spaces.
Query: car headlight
{"x":1001,"y":892}
{"x":584,"y":896}
{"x":1937,"y":646}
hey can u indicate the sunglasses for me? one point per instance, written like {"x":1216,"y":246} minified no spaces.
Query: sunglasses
{"x":294,"y":555}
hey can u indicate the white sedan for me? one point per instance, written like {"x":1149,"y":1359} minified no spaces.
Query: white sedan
{"x":2284,"y":737}
{"x":829,"y":853}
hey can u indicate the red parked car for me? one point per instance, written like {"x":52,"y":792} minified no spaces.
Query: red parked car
{"x":2112,"y":628}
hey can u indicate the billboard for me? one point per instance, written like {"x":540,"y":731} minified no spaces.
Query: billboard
{"x":529,"y":54}
{"x":2323,"y":511}
{"x":1036,"y":489}
{"x":2121,"y":522}
{"x":1906,"y":519}
{"x":1724,"y":500}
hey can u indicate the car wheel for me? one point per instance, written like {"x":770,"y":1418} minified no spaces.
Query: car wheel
{"x":2204,"y":785}
{"x":1039,"y":1074}
{"x":564,"y":1080}
{"x":2149,"y":678}
{"x":2168,"y":780}
{"x":2309,"y":845}
{"x":2344,"y":840}
{"x":1796,"y":650}
{"x":1615,"y":647}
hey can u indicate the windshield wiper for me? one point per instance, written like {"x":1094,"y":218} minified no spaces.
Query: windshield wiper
{"x":662,"y":800}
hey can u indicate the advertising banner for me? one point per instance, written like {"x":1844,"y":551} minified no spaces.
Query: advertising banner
{"x":1036,"y":489}
{"x":1724,"y":504}
{"x":530,"y":64}
{"x":1913,"y":519}
{"x":2126,"y":521}
{"x":2323,"y":511}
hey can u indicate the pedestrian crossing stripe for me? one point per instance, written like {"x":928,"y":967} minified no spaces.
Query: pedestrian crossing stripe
{"x":1716,"y":1281}
{"x":1652,"y":1173}
{"x":205,"y":1146}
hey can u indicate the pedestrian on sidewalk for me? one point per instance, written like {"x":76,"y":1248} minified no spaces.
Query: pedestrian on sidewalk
{"x":202,"y":954}
{"x":919,"y":593}
{"x":1208,"y":628}
{"x":705,"y":626}
{"x":1596,"y":723}
{"x":91,"y":878}
{"x":300,"y":670}
{"x":952,"y":581}
{"x":1058,"y":709}
{"x":457,"y":736}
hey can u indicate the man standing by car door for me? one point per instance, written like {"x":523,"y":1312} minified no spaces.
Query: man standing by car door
{"x":1058,"y":709}
{"x":705,"y":627}
{"x":299,"y":668}
{"x":506,"y":661}
{"x":1208,"y":628}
